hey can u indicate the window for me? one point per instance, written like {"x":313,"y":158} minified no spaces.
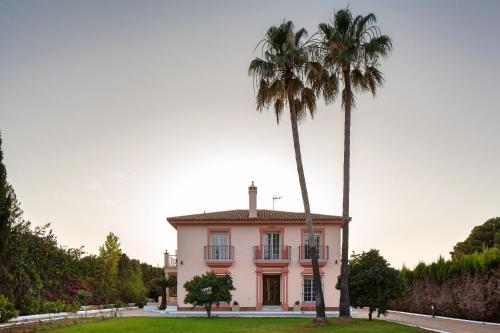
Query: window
{"x":308,"y":290}
{"x":271,"y":245}
{"x":219,"y":246}
{"x":308,"y":293}
{"x":317,"y":243}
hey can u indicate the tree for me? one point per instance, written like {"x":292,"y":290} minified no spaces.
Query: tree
{"x":208,"y":289}
{"x":482,"y":236}
{"x":131,"y":286}
{"x":150,"y":274}
{"x":351,"y":49}
{"x":5,"y":206}
{"x":279,"y":77}
{"x":161,"y":285}
{"x":110,"y":253}
{"x":373,"y":283}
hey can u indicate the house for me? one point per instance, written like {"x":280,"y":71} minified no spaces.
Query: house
{"x":265,"y":252}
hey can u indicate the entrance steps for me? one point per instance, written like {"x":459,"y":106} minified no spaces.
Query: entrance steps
{"x":271,"y":308}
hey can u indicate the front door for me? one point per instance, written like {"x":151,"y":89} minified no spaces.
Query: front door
{"x":271,"y":289}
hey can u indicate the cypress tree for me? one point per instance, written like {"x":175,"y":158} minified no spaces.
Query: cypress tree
{"x":5,"y":208}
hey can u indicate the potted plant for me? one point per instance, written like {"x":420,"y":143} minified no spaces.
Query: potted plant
{"x":296,"y":306}
{"x":236,"y":306}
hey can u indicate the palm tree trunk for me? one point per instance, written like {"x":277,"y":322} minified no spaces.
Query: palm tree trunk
{"x":345,"y":312}
{"x":318,"y":291}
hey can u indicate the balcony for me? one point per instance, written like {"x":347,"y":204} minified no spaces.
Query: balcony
{"x":266,"y":255}
{"x":170,"y":263}
{"x":305,"y":255}
{"x":219,"y":256}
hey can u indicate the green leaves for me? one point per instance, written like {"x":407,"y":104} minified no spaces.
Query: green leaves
{"x":372,"y":282}
{"x":208,"y":289}
{"x":353,"y":47}
{"x":279,"y":77}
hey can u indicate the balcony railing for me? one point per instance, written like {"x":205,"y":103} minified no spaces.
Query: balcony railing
{"x":219,"y":253}
{"x":271,"y":253}
{"x":306,"y":251}
{"x":171,"y":261}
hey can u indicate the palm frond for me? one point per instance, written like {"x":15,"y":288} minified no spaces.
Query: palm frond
{"x":308,"y":100}
{"x":279,"y":105}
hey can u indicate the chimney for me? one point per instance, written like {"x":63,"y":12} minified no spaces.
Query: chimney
{"x":252,"y":196}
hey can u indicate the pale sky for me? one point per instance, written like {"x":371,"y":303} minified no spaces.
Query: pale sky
{"x":117,"y":114}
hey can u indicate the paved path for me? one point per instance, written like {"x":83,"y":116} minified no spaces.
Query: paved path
{"x":438,"y":324}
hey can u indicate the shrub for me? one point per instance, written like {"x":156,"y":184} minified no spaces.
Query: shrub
{"x":7,"y":309}
{"x":208,"y":289}
{"x":30,"y":305}
{"x":119,"y":304}
{"x":140,"y":305}
{"x":72,"y":307}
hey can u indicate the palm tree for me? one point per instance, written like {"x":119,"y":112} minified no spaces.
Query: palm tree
{"x":351,"y":50}
{"x":279,"y":78}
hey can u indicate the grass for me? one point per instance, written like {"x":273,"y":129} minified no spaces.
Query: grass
{"x":232,"y":325}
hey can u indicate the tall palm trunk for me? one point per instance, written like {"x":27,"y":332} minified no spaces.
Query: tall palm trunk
{"x":345,"y":312}
{"x":318,"y":291}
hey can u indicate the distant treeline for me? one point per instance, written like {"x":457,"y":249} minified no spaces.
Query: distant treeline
{"x":466,"y":286}
{"x":38,"y":275}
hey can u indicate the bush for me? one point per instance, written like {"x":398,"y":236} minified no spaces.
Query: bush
{"x":142,"y":303}
{"x":72,"y":307}
{"x":7,"y":309}
{"x":208,"y":289}
{"x":30,"y":305}
{"x":119,"y":304}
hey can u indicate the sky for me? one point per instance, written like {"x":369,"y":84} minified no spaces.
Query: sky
{"x":117,"y":114}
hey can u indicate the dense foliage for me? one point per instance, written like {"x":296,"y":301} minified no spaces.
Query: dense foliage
{"x":482,"y":236}
{"x":208,"y":289}
{"x":466,"y":286}
{"x":38,"y":275}
{"x":373,"y":283}
{"x":7,"y":309}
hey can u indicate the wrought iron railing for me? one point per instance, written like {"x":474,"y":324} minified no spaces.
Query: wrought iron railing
{"x":306,"y":251}
{"x":171,"y":261}
{"x":223,"y":253}
{"x":272,"y":252}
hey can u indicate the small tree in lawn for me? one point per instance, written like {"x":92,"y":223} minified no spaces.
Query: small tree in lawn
{"x":208,"y":289}
{"x":373,"y":283}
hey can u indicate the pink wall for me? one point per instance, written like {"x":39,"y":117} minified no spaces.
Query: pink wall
{"x":191,"y":240}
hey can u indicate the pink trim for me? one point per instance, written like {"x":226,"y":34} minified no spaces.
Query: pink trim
{"x":218,"y":263}
{"x":320,"y":230}
{"x":273,"y":228}
{"x":210,"y":230}
{"x":308,"y":272}
{"x":283,"y":272}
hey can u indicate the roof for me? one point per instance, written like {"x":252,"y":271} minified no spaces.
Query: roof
{"x":241,"y":215}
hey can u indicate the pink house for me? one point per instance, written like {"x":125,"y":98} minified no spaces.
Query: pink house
{"x":265,"y":252}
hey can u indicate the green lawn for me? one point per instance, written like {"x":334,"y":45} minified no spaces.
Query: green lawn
{"x":230,"y":325}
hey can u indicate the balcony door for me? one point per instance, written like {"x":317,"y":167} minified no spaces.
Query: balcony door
{"x":317,"y":244}
{"x":219,"y":246}
{"x":271,"y":245}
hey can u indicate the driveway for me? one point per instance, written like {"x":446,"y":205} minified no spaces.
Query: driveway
{"x":437,"y":324}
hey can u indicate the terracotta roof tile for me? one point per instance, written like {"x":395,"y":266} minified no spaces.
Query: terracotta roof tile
{"x":242,"y":215}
